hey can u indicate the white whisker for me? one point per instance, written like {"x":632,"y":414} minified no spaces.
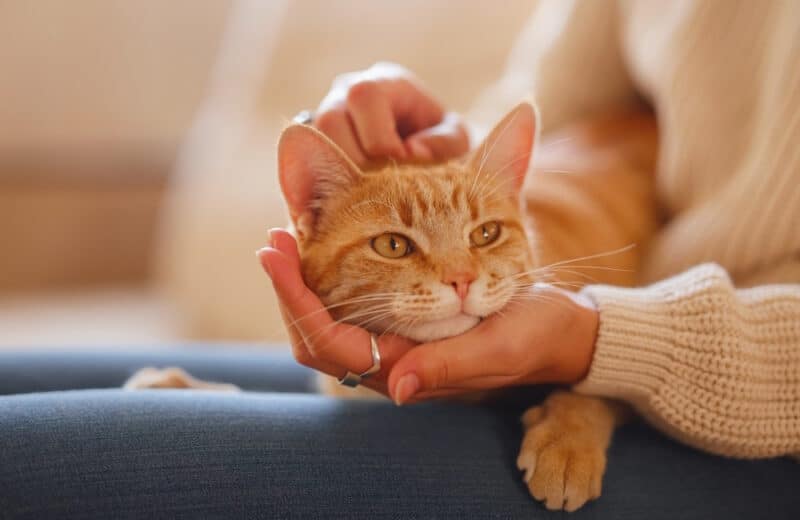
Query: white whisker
{"x":351,"y":301}
{"x":557,"y":141}
{"x":589,"y":257}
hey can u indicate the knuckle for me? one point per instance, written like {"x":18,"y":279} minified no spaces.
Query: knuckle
{"x":305,"y":299}
{"x":319,"y":346}
{"x":329,"y":120}
{"x":442,"y":374}
{"x":362,"y":92}
{"x":406,"y":82}
{"x":461,"y":139}
{"x":379,"y":145}
{"x":302,"y":356}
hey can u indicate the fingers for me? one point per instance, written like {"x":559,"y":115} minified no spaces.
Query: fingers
{"x":374,"y":119}
{"x":317,"y":340}
{"x":300,"y":350}
{"x":304,"y":357}
{"x":284,"y":242}
{"x":280,"y":241}
{"x":479,"y":359}
{"x":414,"y":107}
{"x":385,"y":112}
{"x":307,"y":314}
{"x":337,"y":125}
{"x":291,"y":290}
{"x":441,"y":142}
{"x":467,"y":362}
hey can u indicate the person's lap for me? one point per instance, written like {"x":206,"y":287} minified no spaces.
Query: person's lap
{"x":278,"y":453}
{"x":252,"y":369}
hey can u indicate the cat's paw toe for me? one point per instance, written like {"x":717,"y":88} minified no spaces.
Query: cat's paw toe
{"x":563,"y":469}
{"x":150,"y":377}
{"x":172,"y":377}
{"x":526,"y":461}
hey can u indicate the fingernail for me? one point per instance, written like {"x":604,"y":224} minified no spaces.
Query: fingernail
{"x":264,"y":264}
{"x":406,"y":388}
{"x":271,"y":238}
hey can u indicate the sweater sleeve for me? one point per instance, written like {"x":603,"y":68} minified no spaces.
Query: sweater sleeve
{"x":569,"y":57}
{"x":715,"y":367}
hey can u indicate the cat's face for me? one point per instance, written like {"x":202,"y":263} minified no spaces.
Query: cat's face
{"x":422,"y":251}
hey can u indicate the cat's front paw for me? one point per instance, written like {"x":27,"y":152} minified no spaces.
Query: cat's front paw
{"x":563,"y":461}
{"x":172,"y":377}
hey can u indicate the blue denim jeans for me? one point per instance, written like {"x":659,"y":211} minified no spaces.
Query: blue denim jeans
{"x":74,"y":446}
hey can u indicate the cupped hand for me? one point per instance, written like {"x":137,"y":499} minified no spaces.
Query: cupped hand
{"x":317,"y":340}
{"x":384,"y":112}
{"x":545,"y":335}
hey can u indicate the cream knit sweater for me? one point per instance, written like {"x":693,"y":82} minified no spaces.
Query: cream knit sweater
{"x":700,"y":356}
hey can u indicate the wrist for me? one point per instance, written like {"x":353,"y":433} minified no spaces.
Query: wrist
{"x":568,"y":340}
{"x":577,"y":352}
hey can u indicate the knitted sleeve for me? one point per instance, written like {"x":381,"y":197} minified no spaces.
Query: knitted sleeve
{"x":715,"y":367}
{"x":569,"y":57}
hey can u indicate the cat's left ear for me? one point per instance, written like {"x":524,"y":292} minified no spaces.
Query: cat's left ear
{"x":506,"y":153}
{"x":311,"y":168}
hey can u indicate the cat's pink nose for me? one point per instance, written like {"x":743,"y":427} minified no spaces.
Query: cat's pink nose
{"x":460,"y":283}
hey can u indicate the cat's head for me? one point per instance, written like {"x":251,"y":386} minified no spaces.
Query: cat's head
{"x":422,"y":251}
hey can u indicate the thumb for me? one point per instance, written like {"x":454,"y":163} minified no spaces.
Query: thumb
{"x":467,"y":362}
{"x":446,"y":140}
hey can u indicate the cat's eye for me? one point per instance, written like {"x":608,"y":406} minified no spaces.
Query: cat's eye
{"x":392,"y":245}
{"x":485,"y":234}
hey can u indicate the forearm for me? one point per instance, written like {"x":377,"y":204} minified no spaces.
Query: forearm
{"x":708,"y":364}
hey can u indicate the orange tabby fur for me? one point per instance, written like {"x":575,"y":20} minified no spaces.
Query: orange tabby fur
{"x":591,"y":191}
{"x":606,"y":201}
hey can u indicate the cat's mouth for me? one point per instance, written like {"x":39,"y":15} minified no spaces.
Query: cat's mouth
{"x":442,"y":328}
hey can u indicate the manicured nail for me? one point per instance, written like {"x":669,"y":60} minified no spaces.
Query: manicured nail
{"x":406,"y":388}
{"x":264,"y":264}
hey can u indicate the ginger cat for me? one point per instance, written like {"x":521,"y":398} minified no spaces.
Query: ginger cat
{"x":397,"y":248}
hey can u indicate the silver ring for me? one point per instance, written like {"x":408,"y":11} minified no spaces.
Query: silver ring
{"x":304,"y":117}
{"x":353,"y":380}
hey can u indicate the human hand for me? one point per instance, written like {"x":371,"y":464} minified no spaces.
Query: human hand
{"x":317,"y":340}
{"x":384,"y":112}
{"x":545,"y":336}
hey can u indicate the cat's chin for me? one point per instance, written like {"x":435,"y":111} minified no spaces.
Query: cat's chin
{"x":444,"y":328}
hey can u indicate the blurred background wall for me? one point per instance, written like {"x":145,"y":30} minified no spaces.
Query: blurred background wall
{"x":137,"y":148}
{"x":95,"y":97}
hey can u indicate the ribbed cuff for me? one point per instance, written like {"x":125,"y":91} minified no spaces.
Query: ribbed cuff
{"x":638,"y":333}
{"x":631,"y":356}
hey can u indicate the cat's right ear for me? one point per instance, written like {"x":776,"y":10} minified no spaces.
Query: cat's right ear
{"x":311,"y":168}
{"x":507,"y":151}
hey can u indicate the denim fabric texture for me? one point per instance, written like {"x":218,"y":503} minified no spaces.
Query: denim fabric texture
{"x":70,"y":449}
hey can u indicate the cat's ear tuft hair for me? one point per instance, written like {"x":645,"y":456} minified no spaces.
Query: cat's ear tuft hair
{"x":505,"y":154}
{"x":310,"y":169}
